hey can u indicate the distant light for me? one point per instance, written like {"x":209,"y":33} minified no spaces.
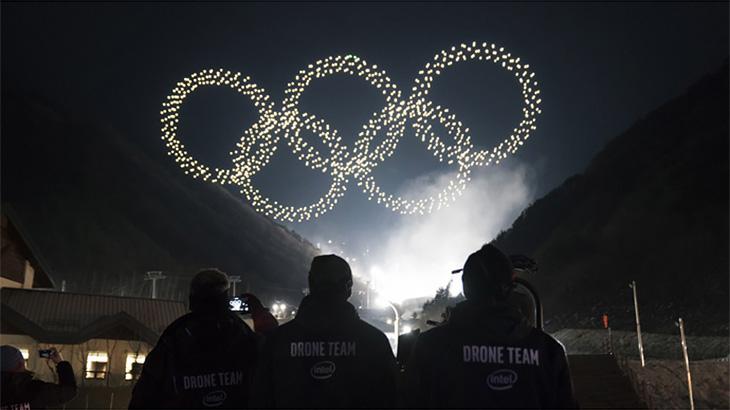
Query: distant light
{"x":382,"y":302}
{"x":407,"y":329}
{"x":282,"y":306}
{"x":389,"y":321}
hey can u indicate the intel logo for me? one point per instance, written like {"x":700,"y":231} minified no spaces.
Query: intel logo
{"x":323,"y":370}
{"x":214,"y":398}
{"x":501,"y":379}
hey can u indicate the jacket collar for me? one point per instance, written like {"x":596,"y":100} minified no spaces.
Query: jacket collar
{"x":499,"y":320}
{"x":317,"y":312}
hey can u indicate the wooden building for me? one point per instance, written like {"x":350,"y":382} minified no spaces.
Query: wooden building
{"x":21,"y":264}
{"x":105,"y":338}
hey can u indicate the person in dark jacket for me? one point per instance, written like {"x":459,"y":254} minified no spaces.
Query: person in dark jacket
{"x":486,"y":355}
{"x":326,"y":357}
{"x":20,"y":391}
{"x":263,"y":320}
{"x":203,"y":359}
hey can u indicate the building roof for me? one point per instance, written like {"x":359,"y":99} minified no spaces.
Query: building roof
{"x":21,"y":246}
{"x":62,"y":317}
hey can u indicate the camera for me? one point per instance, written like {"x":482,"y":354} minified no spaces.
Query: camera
{"x":45,"y":353}
{"x":239,"y":305}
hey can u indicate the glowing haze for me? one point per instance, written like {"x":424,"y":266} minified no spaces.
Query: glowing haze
{"x":420,"y":252}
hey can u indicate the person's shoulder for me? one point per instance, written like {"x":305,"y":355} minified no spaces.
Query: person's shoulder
{"x":369,"y":331}
{"x":283,"y":331}
{"x":176,"y":325}
{"x":550,"y":341}
{"x":435,"y":336}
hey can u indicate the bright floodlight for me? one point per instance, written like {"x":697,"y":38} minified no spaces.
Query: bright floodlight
{"x":275,"y":307}
{"x":389,"y":321}
{"x":382,"y":302}
{"x":407,"y":329}
{"x":282,"y":306}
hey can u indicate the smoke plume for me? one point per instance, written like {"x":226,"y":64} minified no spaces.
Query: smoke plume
{"x":421,"y":251}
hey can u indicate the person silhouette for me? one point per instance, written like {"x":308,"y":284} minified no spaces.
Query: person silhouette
{"x":326,"y":357}
{"x":487,"y":355}
{"x":21,"y":391}
{"x":204,"y":359}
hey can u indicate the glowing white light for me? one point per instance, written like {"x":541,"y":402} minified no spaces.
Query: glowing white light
{"x":406,"y":329}
{"x":382,"y":302}
{"x":282,"y":307}
{"x":456,"y":286}
{"x":131,"y":359}
{"x":259,"y":142}
{"x":389,"y":321}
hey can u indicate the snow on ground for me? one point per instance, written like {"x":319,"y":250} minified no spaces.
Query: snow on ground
{"x":656,"y":345}
{"x":662,"y":384}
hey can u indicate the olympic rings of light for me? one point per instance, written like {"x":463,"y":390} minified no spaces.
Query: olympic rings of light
{"x":259,"y":142}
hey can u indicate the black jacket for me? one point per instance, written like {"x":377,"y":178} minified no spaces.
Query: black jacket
{"x":326,"y":357}
{"x":200,"y":361}
{"x":488,"y":358}
{"x":21,"y":392}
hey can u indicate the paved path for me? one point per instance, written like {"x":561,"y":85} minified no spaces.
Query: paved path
{"x":600,"y":384}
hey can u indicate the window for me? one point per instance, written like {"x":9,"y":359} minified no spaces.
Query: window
{"x":96,"y":365}
{"x":26,"y":356}
{"x":134,"y":366}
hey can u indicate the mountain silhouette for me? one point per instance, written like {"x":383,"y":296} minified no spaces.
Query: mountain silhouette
{"x":652,"y":206}
{"x":103,"y":211}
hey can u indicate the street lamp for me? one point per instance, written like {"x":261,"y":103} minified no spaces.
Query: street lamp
{"x":396,"y":322}
{"x":279,"y":310}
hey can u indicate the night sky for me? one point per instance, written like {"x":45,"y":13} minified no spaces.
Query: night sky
{"x":601,"y":67}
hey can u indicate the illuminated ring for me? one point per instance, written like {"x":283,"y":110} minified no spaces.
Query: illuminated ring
{"x":458,"y":153}
{"x":293,"y":119}
{"x":488,"y":52}
{"x":325,"y":203}
{"x":259,"y":142}
{"x":170,"y":119}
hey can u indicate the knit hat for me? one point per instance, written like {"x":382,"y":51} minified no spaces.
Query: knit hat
{"x":209,"y":291}
{"x":330,"y":275}
{"x":487,"y":275}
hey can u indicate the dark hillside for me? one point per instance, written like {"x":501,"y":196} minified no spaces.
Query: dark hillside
{"x":103,"y":211}
{"x":652,"y":207}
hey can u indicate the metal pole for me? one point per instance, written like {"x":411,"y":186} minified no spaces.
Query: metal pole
{"x":154,"y":276}
{"x":367,"y":295}
{"x":234,"y":280}
{"x":610,"y":341}
{"x":638,"y":324}
{"x":396,"y":325}
{"x":686,"y":363}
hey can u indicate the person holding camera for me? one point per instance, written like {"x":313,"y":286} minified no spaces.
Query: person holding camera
{"x":263,"y":320}
{"x":203,"y":359}
{"x":487,"y":355}
{"x":20,"y":391}
{"x":326,"y":357}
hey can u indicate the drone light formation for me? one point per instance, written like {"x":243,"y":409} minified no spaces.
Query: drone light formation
{"x":260,"y":141}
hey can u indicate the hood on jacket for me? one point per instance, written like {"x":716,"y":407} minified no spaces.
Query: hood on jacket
{"x":320,"y":312}
{"x":500,"y":320}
